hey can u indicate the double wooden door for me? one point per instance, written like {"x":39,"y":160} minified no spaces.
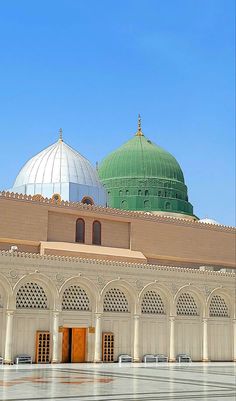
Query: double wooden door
{"x":73,"y":344}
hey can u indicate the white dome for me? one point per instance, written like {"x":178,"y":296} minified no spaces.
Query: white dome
{"x":209,"y":221}
{"x":57,"y":163}
{"x":62,"y":170}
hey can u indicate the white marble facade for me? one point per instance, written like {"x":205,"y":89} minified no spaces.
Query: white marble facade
{"x":149,"y":308}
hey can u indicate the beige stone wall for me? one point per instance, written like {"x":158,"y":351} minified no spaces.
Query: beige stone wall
{"x":23,"y":220}
{"x":160,"y":239}
{"x":198,"y":244}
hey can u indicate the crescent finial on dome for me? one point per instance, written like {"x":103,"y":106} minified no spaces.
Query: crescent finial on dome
{"x":60,"y":135}
{"x":139,"y":132}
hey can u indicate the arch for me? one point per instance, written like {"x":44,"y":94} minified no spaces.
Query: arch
{"x":97,"y":228}
{"x":222,"y":306}
{"x":44,"y":282}
{"x":164,"y":293}
{"x":198,"y":296}
{"x":127,"y":192}
{"x":75,"y":298}
{"x":126,"y":288}
{"x":139,"y":192}
{"x":146,"y":192}
{"x":124,"y":204}
{"x":80,"y":231}
{"x":31,"y":295}
{"x":84,"y":284}
{"x":115,"y":300}
{"x":152,"y":303}
{"x":186,"y":305}
{"x":87,"y":200}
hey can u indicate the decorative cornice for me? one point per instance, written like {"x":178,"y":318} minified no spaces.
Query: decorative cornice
{"x":114,"y":212}
{"x":73,"y":259}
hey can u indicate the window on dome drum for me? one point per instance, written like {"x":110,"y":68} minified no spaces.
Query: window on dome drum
{"x":96,"y":233}
{"x":146,"y":192}
{"x":167,"y":206}
{"x":159,"y":193}
{"x":87,"y":200}
{"x":140,"y":192}
{"x":127,"y":192}
{"x":80,"y":231}
{"x":124,"y":204}
{"x":120,"y":192}
{"x":146,"y":204}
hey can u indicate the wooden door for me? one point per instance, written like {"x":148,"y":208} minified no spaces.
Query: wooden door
{"x":66,"y":346}
{"x":78,"y":345}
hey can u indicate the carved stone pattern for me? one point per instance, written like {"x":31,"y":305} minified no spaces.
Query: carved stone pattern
{"x":186,"y":305}
{"x":218,"y":307}
{"x":115,"y":301}
{"x":31,"y":296}
{"x":152,"y":303}
{"x":75,"y":298}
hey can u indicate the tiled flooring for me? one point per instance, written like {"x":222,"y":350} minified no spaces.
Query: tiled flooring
{"x":114,"y":382}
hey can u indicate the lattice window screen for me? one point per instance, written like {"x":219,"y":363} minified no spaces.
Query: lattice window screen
{"x":152,"y":303}
{"x":218,"y":307}
{"x":31,"y":295}
{"x":75,"y":298}
{"x":115,"y":301}
{"x":186,"y":305}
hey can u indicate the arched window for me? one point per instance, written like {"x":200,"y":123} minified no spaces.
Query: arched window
{"x":186,"y":305}
{"x":75,"y":298}
{"x":127,"y":192}
{"x":167,"y":205}
{"x":146,"y":192}
{"x":139,"y":192}
{"x":31,"y":296}
{"x":218,"y":307}
{"x":124,"y":204}
{"x":80,"y":231}
{"x":87,"y":200}
{"x":152,"y":303}
{"x":120,"y":192}
{"x":96,"y":233}
{"x":146,"y":204}
{"x":115,"y":301}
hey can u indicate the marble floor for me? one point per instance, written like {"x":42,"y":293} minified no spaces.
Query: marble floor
{"x":114,"y":382}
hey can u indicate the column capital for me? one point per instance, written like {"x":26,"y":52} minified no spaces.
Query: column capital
{"x":172,"y":318}
{"x":136,"y":316}
{"x":205,"y":319}
{"x":98,"y":315}
{"x":10,"y":312}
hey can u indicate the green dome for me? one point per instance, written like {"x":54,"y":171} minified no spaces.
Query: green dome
{"x":142,"y":176}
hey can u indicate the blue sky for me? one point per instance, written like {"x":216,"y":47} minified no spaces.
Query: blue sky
{"x":91,"y":66}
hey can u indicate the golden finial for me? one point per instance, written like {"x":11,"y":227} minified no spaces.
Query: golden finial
{"x":60,"y":135}
{"x":139,"y":132}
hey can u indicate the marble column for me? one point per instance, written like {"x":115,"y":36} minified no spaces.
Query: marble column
{"x":172,"y":339}
{"x":136,"y":338}
{"x":205,"y":340}
{"x":98,"y":338}
{"x":9,"y":336}
{"x":234,"y":339}
{"x":55,"y":337}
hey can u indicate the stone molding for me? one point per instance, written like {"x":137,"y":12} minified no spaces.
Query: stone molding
{"x":37,"y":257}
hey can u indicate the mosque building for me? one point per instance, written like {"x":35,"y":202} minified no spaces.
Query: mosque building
{"x":95,"y":263}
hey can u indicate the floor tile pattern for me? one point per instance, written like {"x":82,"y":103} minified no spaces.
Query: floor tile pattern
{"x":114,"y":382}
